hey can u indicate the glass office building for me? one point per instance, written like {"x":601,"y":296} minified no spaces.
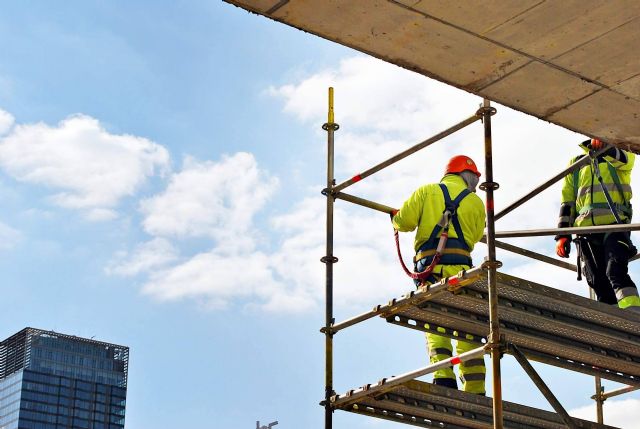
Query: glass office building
{"x":54,"y":381}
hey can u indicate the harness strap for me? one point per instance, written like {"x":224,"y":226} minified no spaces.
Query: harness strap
{"x":596,"y":167}
{"x":453,"y":250}
{"x":616,"y":180}
{"x":624,"y":208}
{"x":452,"y":207}
{"x":450,"y":252}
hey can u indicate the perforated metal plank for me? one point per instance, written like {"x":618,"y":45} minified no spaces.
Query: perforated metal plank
{"x":550,"y":325}
{"x":425,"y":405}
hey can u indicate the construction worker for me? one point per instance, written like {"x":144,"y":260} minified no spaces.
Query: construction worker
{"x":599,"y":193}
{"x":425,"y":209}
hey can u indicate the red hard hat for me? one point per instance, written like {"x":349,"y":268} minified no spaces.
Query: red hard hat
{"x":460,"y":163}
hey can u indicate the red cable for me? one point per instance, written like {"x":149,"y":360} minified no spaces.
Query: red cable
{"x":416,"y":276}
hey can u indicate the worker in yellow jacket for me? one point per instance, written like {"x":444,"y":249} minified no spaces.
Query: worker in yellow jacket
{"x":425,"y":210}
{"x":599,"y":193}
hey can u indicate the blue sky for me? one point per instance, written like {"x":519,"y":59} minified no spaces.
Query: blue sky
{"x":160,"y":175}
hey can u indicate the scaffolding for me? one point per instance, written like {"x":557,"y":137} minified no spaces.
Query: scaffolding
{"x":503,"y":313}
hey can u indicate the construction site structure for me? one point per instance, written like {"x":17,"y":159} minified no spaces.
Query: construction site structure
{"x":502,"y":313}
{"x":572,"y":63}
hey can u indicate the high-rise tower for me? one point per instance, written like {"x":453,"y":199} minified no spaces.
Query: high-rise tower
{"x":55,"y":381}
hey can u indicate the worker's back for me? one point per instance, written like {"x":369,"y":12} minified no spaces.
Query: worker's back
{"x":425,"y":207}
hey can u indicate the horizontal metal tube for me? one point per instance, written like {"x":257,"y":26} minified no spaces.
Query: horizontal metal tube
{"x":385,"y":384}
{"x":407,"y":152}
{"x":532,"y":255}
{"x":350,"y":322}
{"x":569,"y":231}
{"x":364,"y":203}
{"x":431,"y":290}
{"x":617,"y":392}
{"x":578,"y":164}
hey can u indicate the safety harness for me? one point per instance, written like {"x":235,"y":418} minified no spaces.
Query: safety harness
{"x":439,"y":248}
{"x":625,"y":208}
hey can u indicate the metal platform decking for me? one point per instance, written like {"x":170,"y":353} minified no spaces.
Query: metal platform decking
{"x":426,"y":405}
{"x":548,"y":325}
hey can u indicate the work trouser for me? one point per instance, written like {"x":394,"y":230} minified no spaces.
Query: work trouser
{"x":605,"y":259}
{"x":472,"y":372}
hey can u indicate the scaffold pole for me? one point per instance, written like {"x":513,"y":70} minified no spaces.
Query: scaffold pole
{"x":494,"y":344}
{"x":330,"y":127}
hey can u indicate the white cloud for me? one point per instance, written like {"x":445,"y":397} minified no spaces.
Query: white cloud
{"x":215,"y":201}
{"x":215,"y":278}
{"x":147,"y":256}
{"x":373,"y":94}
{"x":623,"y":413}
{"x":90,"y":168}
{"x":6,"y":122}
{"x":9,"y":237}
{"x":211,"y":199}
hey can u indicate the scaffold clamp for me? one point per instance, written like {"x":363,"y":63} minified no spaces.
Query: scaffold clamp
{"x":330,"y":127}
{"x":491,"y":264}
{"x":326,"y":192}
{"x":484,"y":186}
{"x":486,"y":109}
{"x":328,"y":259}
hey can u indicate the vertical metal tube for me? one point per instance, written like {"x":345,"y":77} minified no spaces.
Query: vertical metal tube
{"x":329,"y":260}
{"x":598,"y":396}
{"x":599,"y":401}
{"x":494,"y":326}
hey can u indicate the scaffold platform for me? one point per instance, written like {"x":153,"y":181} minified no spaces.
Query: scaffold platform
{"x":548,"y":325}
{"x":425,"y":405}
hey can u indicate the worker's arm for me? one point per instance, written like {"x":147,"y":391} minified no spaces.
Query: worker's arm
{"x":408,"y":218}
{"x":567,"y":214}
{"x":480,"y":221}
{"x":568,"y":205}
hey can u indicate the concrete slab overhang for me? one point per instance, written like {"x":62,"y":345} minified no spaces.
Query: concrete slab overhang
{"x":574,"y":63}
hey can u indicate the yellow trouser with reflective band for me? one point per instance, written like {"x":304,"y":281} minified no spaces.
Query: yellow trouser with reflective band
{"x":472,"y":372}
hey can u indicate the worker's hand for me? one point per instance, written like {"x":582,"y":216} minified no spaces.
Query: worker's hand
{"x":597,"y":144}
{"x":393,"y":213}
{"x":563,"y":246}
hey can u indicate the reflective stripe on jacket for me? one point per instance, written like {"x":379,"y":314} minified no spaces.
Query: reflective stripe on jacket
{"x":585,"y":202}
{"x":424,"y":208}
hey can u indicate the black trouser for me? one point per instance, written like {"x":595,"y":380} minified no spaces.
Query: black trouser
{"x":605,"y":262}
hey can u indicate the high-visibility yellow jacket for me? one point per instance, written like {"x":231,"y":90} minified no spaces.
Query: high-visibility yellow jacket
{"x":583,"y":200}
{"x":425,"y":206}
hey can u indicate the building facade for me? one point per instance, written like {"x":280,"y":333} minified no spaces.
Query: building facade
{"x":55,"y":381}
